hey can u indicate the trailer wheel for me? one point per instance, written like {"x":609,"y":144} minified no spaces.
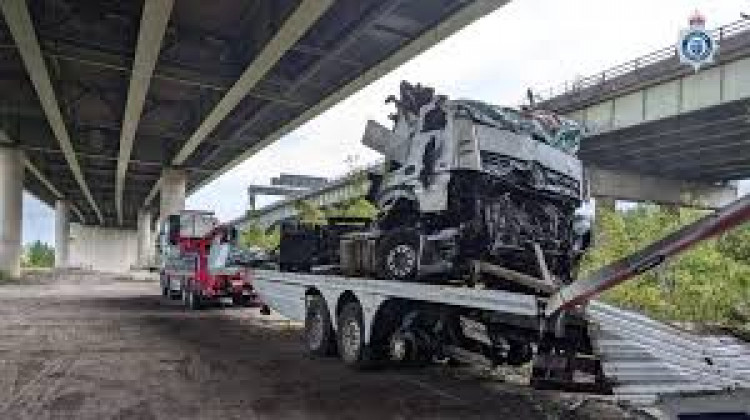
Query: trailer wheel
{"x":398,"y":255}
{"x":351,"y":337}
{"x":319,"y":335}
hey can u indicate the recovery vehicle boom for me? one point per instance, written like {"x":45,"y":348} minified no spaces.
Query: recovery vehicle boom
{"x":580,"y":291}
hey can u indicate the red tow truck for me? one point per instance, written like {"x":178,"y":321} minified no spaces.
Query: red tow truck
{"x":201,"y":262}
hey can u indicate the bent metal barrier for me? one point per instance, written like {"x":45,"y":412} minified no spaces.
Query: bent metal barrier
{"x":646,"y":360}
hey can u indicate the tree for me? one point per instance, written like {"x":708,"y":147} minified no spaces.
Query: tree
{"x":256,"y":236}
{"x":358,"y":207}
{"x":310,"y":213}
{"x":706,"y":283}
{"x":736,"y":244}
{"x":39,"y":254}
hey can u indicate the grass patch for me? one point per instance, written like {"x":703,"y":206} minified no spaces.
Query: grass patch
{"x":6,"y":278}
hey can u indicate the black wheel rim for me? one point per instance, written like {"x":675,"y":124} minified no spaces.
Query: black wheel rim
{"x":401,"y":260}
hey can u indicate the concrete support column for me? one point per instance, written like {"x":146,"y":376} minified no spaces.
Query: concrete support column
{"x":629,"y":186}
{"x":144,"y":238}
{"x":62,"y":234}
{"x":172,"y":192}
{"x":11,"y":207}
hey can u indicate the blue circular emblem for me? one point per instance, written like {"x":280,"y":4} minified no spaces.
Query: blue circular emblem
{"x":697,"y":46}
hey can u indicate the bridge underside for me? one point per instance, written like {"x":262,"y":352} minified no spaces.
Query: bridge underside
{"x":709,"y":145}
{"x":88,"y":49}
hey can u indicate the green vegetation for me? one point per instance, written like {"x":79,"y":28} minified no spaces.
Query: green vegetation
{"x":358,"y":207}
{"x":309,"y":213}
{"x":255,"y":236}
{"x":38,"y":254}
{"x":710,"y":283}
{"x":4,"y":276}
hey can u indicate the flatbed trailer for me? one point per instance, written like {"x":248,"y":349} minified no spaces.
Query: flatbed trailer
{"x":571,"y":342}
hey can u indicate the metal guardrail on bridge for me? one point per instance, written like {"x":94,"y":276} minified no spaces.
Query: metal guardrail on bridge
{"x":721,"y":33}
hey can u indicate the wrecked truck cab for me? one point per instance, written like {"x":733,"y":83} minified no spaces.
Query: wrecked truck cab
{"x":480,"y":182}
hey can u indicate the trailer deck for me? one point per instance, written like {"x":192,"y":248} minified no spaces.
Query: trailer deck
{"x":647,"y":362}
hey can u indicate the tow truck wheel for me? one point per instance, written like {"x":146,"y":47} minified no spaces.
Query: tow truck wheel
{"x":239,"y":300}
{"x":192,"y":298}
{"x":351,"y":337}
{"x":319,"y":335}
{"x":398,"y":255}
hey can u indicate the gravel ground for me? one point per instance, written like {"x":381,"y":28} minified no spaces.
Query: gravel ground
{"x":92,"y":346}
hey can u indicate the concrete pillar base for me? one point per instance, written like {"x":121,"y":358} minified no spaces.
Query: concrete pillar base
{"x":620,"y":185}
{"x":11,"y":207}
{"x":62,"y":234}
{"x":145,"y":238}
{"x":173,"y":188}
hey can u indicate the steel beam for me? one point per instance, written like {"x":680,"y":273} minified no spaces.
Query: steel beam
{"x":153,"y":25}
{"x":306,"y":14}
{"x":457,"y":21}
{"x":19,"y":22}
{"x":51,"y":187}
{"x":168,"y":72}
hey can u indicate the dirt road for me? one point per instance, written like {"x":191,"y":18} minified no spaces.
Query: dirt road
{"x":92,"y":346}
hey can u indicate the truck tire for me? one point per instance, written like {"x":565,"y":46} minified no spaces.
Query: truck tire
{"x":239,"y":300}
{"x":191,"y":298}
{"x":397,"y":255}
{"x":351,"y":337}
{"x":164,"y":286}
{"x":319,"y":336}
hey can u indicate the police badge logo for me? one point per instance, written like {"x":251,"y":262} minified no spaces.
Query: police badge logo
{"x":696,"y":46}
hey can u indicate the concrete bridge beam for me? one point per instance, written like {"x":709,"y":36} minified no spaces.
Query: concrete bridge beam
{"x":630,"y":186}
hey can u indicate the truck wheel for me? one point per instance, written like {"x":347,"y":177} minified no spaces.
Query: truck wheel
{"x":239,"y":300}
{"x":164,"y":286}
{"x":398,"y":255}
{"x":191,"y":298}
{"x":319,"y":335}
{"x":351,"y":337}
{"x":194,"y":300}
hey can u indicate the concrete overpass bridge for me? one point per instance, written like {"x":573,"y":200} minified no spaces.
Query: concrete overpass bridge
{"x":656,"y":122}
{"x":115,"y":111}
{"x":336,"y":191}
{"x":661,"y":132}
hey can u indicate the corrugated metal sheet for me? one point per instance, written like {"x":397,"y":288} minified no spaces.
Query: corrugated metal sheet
{"x":646,"y":359}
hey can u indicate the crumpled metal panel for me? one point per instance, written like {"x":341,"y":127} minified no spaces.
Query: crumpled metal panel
{"x":646,"y":359}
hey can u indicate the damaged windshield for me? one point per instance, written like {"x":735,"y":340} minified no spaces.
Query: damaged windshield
{"x":545,"y":126}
